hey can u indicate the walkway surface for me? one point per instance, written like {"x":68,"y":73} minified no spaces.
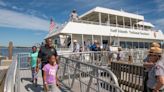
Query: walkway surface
{"x":27,"y":86}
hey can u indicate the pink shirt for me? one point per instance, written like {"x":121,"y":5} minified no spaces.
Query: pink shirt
{"x":50,"y":73}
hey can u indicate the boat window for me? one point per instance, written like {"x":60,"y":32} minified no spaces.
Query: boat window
{"x":122,"y":44}
{"x":135,"y":45}
{"x":129,"y":44}
{"x":146,"y":45}
{"x":141,"y":45}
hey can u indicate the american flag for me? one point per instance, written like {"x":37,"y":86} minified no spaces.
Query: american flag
{"x":52,"y":25}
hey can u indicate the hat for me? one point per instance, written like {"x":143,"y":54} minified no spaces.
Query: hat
{"x":119,"y":49}
{"x":155,"y":44}
{"x":74,"y":40}
{"x":155,"y":50}
{"x":74,"y":10}
{"x":95,"y":41}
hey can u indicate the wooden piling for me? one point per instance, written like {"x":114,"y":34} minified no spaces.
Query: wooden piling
{"x":10,"y":50}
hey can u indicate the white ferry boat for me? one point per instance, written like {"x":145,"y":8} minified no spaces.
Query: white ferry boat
{"x":108,"y":27}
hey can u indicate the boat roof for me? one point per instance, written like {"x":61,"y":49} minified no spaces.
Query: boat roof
{"x":113,"y":12}
{"x":146,"y":24}
{"x":100,"y":30}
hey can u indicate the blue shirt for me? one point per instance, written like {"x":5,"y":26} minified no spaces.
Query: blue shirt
{"x":156,"y":70}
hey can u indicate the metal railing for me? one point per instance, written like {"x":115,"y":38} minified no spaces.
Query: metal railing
{"x":82,"y":77}
{"x":90,"y":78}
{"x":105,"y":57}
{"x":113,"y":25}
{"x":10,"y":80}
{"x":84,"y":69}
{"x":130,"y":76}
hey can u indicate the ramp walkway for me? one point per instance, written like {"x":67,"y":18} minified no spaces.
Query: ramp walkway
{"x":74,"y":76}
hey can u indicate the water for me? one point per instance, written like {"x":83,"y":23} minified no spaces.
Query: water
{"x":4,"y":51}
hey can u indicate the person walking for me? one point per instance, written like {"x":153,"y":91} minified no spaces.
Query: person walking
{"x":76,"y":46}
{"x":33,"y":60}
{"x":120,"y":54}
{"x":148,"y":65}
{"x":74,"y":16}
{"x":44,"y":51}
{"x":155,"y":82}
{"x":50,"y":75}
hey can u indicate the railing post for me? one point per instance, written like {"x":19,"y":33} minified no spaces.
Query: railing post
{"x":97,"y":75}
{"x":66,"y":62}
{"x":74,"y":75}
{"x":10,"y":50}
{"x":90,"y":81}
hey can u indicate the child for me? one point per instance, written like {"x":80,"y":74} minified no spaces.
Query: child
{"x":33,"y":60}
{"x":50,"y":75}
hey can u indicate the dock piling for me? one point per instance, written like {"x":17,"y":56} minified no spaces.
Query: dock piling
{"x":10,"y":50}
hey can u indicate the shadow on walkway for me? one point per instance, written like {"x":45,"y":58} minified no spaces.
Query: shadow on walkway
{"x":34,"y":88}
{"x":30,"y":87}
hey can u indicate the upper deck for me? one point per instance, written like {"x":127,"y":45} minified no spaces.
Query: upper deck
{"x":116,"y":18}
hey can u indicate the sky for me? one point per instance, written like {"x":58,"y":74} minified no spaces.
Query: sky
{"x":26,"y":22}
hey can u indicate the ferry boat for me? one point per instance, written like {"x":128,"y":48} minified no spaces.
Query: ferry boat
{"x":108,"y":27}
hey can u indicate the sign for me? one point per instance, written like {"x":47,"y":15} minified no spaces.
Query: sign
{"x":130,"y":32}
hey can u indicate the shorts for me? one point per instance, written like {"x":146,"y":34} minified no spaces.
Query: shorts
{"x":43,"y":64}
{"x":53,"y":88}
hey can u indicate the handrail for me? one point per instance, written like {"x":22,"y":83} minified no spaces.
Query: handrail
{"x":11,"y":80}
{"x":10,"y":77}
{"x":136,"y":55}
{"x":74,"y":70}
{"x":94,"y":66}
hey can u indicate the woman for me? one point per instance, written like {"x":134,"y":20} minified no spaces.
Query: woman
{"x":50,"y":75}
{"x":155,"y":81}
{"x":33,"y":61}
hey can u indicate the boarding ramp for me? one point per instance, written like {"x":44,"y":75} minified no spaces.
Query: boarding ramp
{"x":74,"y":76}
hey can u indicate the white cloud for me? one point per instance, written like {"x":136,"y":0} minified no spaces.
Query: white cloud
{"x":160,"y":5}
{"x":16,"y":8}
{"x":2,"y":3}
{"x":14,"y":19}
{"x":159,"y":23}
{"x":38,"y":33}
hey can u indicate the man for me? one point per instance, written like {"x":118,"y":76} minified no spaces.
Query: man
{"x":120,"y":54}
{"x":76,"y":46}
{"x":74,"y":16}
{"x":44,"y":51}
{"x":94,"y":47}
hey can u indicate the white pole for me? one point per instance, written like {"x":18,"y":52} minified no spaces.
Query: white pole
{"x":116,"y":22}
{"x":71,"y":42}
{"x":108,"y":19}
{"x":101,"y":40}
{"x":131,"y":26}
{"x":123,"y":22}
{"x":92,"y":39}
{"x":99,"y":18}
{"x":83,"y":42}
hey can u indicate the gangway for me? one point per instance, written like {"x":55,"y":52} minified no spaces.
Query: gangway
{"x":74,"y":76}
